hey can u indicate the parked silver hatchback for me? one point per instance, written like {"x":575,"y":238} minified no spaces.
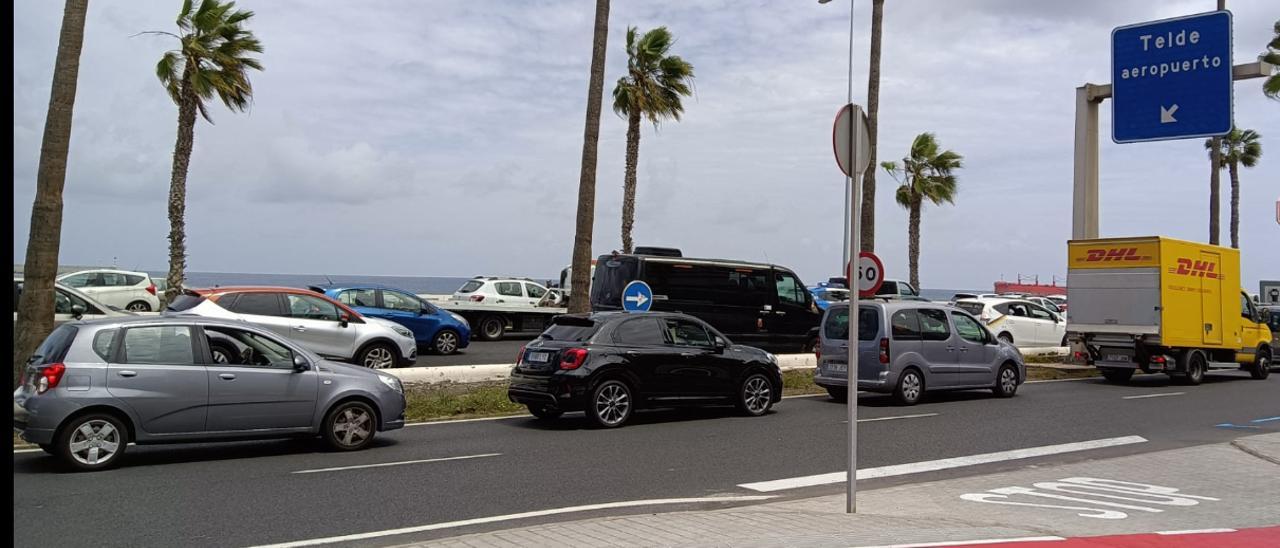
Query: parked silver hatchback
{"x":95,"y":386}
{"x":908,"y":347}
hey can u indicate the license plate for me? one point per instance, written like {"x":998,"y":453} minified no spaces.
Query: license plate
{"x":537,"y":357}
{"x":1121,"y":358}
{"x":837,"y":367}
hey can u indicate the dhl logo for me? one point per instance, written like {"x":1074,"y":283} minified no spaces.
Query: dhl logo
{"x":1114,"y":254}
{"x":1200,"y":269}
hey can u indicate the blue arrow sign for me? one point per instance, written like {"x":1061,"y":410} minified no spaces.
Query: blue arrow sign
{"x":637,"y":297}
{"x":1171,"y":79}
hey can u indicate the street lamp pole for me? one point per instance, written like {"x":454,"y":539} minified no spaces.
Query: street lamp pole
{"x":848,"y":186}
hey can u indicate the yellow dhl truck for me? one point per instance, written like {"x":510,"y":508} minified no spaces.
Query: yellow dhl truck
{"x":1162,"y":305}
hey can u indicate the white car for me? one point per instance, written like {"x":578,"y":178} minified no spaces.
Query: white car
{"x":131,"y":291}
{"x":1044,"y":302}
{"x":1018,"y":321}
{"x":69,"y":304}
{"x":507,"y":292}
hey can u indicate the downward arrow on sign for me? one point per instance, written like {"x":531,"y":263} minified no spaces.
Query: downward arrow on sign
{"x":1166,"y":115}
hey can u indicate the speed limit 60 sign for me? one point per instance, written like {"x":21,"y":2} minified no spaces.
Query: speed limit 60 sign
{"x":870,"y":274}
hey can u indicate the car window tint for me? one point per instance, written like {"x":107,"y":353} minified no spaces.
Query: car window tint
{"x":102,"y":343}
{"x":311,"y":308}
{"x":1040,"y":313}
{"x":933,"y":325}
{"x":687,"y":333}
{"x":358,"y":297}
{"x":719,"y":284}
{"x":400,"y":301}
{"x":509,"y":289}
{"x":79,"y":280}
{"x":262,"y":304}
{"x":55,"y":346}
{"x":185,"y":302}
{"x":888,"y":288}
{"x":836,"y":324}
{"x":789,"y":289}
{"x":132,"y":279}
{"x":535,"y":292}
{"x":159,"y":345}
{"x":905,"y":325}
{"x":640,"y":331}
{"x":470,"y":286}
{"x":968,"y":328}
{"x":231,"y":346}
{"x":1246,"y":307}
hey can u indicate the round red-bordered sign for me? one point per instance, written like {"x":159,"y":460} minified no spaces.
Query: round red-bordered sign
{"x":870,"y":274}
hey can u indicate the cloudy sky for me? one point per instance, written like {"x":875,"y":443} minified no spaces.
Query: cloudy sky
{"x":443,"y":138}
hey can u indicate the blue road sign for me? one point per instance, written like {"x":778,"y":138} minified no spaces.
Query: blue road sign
{"x":637,"y":297}
{"x":1171,"y":79}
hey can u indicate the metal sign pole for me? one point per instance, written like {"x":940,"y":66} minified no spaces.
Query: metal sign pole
{"x":855,"y":243}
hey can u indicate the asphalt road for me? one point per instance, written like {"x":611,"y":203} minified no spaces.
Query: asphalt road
{"x":252,"y":493}
{"x":479,"y":352}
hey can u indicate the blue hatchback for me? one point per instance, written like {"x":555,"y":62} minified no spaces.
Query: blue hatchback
{"x":826,"y":293}
{"x":439,"y":330}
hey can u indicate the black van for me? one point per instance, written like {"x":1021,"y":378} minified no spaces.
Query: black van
{"x":761,"y":305}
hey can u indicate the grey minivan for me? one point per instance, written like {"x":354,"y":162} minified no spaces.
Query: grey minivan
{"x":93,"y":387}
{"x":908,"y":347}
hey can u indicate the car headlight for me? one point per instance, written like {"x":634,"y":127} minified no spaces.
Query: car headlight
{"x":460,"y":319}
{"x":402,"y":330}
{"x":773,"y":359}
{"x":392,"y":382}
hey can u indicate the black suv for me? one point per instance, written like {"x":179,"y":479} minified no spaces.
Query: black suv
{"x":610,"y":363}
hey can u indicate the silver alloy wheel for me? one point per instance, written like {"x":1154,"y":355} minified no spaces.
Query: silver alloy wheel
{"x":446,"y":342}
{"x":138,"y":306}
{"x":378,"y":357}
{"x":353,"y":426}
{"x":755,"y":394}
{"x":94,"y":442}
{"x":911,"y":385}
{"x":612,"y":404}
{"x":1008,"y":380}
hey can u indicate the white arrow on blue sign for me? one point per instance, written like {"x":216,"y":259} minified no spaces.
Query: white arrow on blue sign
{"x":1171,"y":79}
{"x":637,"y":297}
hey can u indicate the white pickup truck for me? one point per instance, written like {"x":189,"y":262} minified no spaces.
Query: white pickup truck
{"x":494,"y":305}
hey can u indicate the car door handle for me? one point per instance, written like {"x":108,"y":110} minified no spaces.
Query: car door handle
{"x":299,"y":328}
{"x":951,"y":349}
{"x":227,"y":376}
{"x":963,"y":349}
{"x":687,"y":354}
{"x":127,"y":373}
{"x":632,"y":353}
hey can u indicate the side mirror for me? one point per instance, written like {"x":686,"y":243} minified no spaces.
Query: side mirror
{"x":300,"y":363}
{"x":344,"y":319}
{"x":77,"y":310}
{"x":721,"y":345}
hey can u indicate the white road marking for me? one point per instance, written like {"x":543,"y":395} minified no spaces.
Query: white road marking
{"x":1195,"y":532}
{"x":510,"y":517}
{"x":1153,"y":395}
{"x":941,"y":464}
{"x":455,"y":421}
{"x":968,"y":542}
{"x":400,"y":463}
{"x":1267,"y":419}
{"x":877,"y":419}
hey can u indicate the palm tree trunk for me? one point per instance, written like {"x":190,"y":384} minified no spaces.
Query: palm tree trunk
{"x":35,"y":307}
{"x":629,"y":181}
{"x":1235,"y":204}
{"x":913,"y":244}
{"x":587,"y":181}
{"x":1214,"y":194}
{"x":873,"y":108}
{"x":178,"y":189}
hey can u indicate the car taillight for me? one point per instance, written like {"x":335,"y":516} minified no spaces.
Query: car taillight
{"x":884,"y":350}
{"x":151,"y":289}
{"x":520,"y":355}
{"x":573,"y":358}
{"x":50,"y":377}
{"x":817,"y":352}
{"x":477,"y":298}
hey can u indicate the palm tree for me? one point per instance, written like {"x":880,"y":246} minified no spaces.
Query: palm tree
{"x":213,"y":59}
{"x":1271,"y":86}
{"x":925,"y":174}
{"x":35,"y":307}
{"x":652,"y":88}
{"x":873,"y":108}
{"x":587,"y":181}
{"x":1238,"y":148}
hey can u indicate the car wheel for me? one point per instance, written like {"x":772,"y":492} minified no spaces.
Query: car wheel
{"x":1261,"y":365}
{"x":138,"y":306}
{"x":491,"y":328}
{"x":1195,"y":369}
{"x":611,"y":404}
{"x":1118,"y":375}
{"x":92,"y":442}
{"x":446,"y":342}
{"x":755,"y":396}
{"x":838,"y":393}
{"x":910,"y":387}
{"x":222,"y":353}
{"x":545,"y":412}
{"x":1005,"y":337}
{"x":377,"y":356}
{"x":1006,"y":382}
{"x":350,"y":426}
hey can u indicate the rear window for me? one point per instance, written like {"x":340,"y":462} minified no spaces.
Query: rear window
{"x":102,"y":343}
{"x":133,"y":279}
{"x":571,"y":329}
{"x":185,"y":302}
{"x":611,"y":277}
{"x":836,"y":324}
{"x":55,"y":346}
{"x":974,"y":309}
{"x":471,"y":286}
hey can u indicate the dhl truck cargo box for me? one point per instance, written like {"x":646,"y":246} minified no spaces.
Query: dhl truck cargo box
{"x":1160,"y":304}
